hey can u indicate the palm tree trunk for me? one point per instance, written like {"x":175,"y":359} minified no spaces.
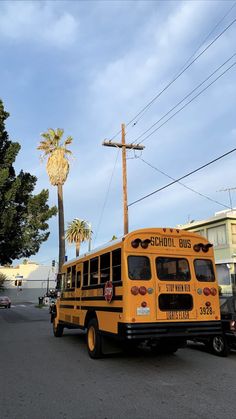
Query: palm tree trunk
{"x":77,"y":248}
{"x":61,"y":227}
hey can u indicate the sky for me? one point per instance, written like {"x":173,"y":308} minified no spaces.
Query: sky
{"x":88,"y":67}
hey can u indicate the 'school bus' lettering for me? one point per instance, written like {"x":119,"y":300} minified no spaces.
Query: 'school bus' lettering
{"x":153,"y":284}
{"x":170,"y":242}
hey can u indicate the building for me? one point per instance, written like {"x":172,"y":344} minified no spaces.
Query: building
{"x":221,"y":232}
{"x":28,"y":281}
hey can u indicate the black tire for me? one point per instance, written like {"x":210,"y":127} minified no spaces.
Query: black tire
{"x":94,"y":339}
{"x":9,"y":305}
{"x":219,"y":346}
{"x":57,"y":330}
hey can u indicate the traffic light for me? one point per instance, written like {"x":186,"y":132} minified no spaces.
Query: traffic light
{"x":53,"y":263}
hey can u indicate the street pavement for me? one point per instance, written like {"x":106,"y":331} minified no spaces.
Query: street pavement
{"x":43,"y":377}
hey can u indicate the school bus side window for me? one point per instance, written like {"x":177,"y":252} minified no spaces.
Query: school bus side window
{"x":94,"y":271}
{"x":78,"y":279}
{"x":73,"y":277}
{"x":139,"y":267}
{"x":204,"y":270}
{"x":68,"y":278}
{"x":116,"y":265}
{"x":85,"y":273}
{"x":105,"y":267}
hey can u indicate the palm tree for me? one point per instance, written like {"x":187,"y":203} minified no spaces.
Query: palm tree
{"x":78,"y":231}
{"x":56,"y":152}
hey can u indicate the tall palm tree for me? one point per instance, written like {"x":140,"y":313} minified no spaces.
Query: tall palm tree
{"x":78,"y":231}
{"x":55,"y":150}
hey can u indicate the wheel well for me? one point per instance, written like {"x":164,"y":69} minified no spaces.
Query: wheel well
{"x":90,"y":315}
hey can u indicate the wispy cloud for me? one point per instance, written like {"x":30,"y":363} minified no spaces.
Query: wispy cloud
{"x":37,"y":22}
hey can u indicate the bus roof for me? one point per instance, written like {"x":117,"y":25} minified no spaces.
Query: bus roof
{"x":152,"y":230}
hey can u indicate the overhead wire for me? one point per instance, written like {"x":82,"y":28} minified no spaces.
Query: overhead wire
{"x":187,"y":103}
{"x":182,"y":100}
{"x":106,"y":197}
{"x":182,"y":177}
{"x":148,"y":105}
{"x":182,"y":184}
{"x":181,"y":72}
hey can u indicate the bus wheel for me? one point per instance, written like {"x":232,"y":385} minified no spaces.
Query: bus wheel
{"x":219,"y":346}
{"x":57,"y":329}
{"x":94,"y":340}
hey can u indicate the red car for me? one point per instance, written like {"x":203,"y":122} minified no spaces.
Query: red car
{"x":5,"y":302}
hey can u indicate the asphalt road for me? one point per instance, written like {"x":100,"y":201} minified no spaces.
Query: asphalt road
{"x":43,"y":377}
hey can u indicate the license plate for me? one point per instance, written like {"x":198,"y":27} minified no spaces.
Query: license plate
{"x":177,"y":315}
{"x":142,"y":311}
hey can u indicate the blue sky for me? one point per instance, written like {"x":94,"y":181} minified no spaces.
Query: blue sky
{"x":87,"y":67}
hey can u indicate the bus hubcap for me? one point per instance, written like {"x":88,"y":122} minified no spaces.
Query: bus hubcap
{"x":218,"y":344}
{"x":91,"y":338}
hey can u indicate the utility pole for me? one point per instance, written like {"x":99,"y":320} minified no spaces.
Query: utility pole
{"x":230,"y":198}
{"x":124,"y":147}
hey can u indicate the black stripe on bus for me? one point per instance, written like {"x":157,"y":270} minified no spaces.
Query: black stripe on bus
{"x":98,"y":286}
{"x":102,"y":298}
{"x":69,"y":299}
{"x":66,"y":306}
{"x":97,"y":308}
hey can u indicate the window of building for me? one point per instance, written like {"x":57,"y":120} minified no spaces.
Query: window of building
{"x":172,"y":269}
{"x":233,"y":232}
{"x":223,"y":274}
{"x":116,"y":265}
{"x":139,"y":267}
{"x":217,"y":235}
{"x":201,"y":232}
{"x":85,"y":273}
{"x":94,"y":271}
{"x":105,"y":267}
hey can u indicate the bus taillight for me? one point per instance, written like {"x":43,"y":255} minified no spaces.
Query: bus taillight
{"x":206,"y":291}
{"x":213,"y":291}
{"x":144,"y":304}
{"x":134,"y":290}
{"x":142,"y":290}
{"x":207,"y":303}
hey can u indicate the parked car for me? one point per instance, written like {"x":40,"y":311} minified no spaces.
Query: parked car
{"x":221,"y":344}
{"x":5,"y":302}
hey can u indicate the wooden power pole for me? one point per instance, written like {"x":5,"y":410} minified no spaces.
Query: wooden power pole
{"x":124,"y":146}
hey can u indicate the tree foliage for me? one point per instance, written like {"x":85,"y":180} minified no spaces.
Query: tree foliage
{"x":3,"y":278}
{"x":77,"y":232}
{"x":56,"y":151}
{"x":23,"y":216}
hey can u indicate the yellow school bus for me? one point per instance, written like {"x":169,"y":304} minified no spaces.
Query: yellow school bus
{"x":154,"y":285}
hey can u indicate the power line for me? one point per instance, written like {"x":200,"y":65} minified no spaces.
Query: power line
{"x":179,"y":74}
{"x":106,"y":197}
{"x":182,"y":177}
{"x":186,"y":104}
{"x":182,"y":184}
{"x":146,"y":107}
{"x":189,"y":94}
{"x":209,"y":34}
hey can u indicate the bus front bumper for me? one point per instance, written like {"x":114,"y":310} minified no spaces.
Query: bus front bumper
{"x":187,"y":330}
